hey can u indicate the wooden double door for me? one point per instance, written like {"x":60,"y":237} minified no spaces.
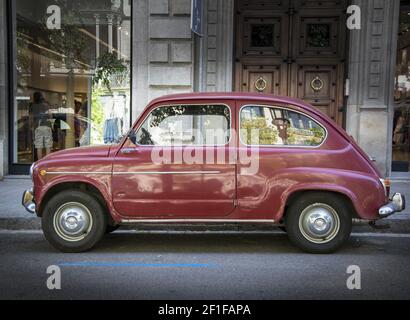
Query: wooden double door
{"x":294,"y":48}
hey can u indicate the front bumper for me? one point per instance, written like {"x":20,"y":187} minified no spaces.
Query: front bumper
{"x":396,"y":204}
{"x":28,"y":201}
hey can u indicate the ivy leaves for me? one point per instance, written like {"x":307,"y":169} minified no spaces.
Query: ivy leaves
{"x":107,"y":65}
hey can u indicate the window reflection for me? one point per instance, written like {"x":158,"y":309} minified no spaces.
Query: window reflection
{"x":401,"y":119}
{"x":277,"y":126}
{"x":72,"y":78}
{"x":186,"y":125}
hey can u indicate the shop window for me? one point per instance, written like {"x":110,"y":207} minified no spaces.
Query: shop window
{"x":401,"y":118}
{"x":71,"y":75}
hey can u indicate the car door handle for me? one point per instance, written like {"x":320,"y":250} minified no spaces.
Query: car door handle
{"x":129,"y":150}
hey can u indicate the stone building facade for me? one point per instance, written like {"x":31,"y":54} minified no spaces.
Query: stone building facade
{"x":168,"y":58}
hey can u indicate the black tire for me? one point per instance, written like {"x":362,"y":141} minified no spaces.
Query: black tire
{"x":111,"y":228}
{"x":55,"y":234}
{"x":334,"y":207}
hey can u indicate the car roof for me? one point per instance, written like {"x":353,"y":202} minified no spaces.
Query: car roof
{"x":255,"y":97}
{"x":228,"y":96}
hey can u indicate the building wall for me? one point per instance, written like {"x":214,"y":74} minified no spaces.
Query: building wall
{"x":372,"y":58}
{"x":3,"y":92}
{"x":163,"y":59}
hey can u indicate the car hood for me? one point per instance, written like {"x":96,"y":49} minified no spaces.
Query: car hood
{"x":89,"y":151}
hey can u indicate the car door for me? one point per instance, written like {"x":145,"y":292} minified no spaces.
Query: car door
{"x":278,"y":137}
{"x":181,"y":166}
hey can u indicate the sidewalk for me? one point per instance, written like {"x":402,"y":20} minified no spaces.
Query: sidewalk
{"x":14,"y":216}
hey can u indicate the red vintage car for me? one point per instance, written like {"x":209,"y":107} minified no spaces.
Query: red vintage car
{"x":214,"y":158}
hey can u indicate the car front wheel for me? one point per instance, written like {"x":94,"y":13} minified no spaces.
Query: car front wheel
{"x":73,"y":221}
{"x":319,"y":222}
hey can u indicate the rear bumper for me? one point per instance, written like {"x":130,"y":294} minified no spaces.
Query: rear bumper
{"x":28,"y":201}
{"x":396,"y":204}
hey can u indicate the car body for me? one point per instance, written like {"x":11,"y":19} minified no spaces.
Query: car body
{"x":306,"y":165}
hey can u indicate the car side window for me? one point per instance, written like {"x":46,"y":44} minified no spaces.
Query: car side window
{"x":181,"y":125}
{"x":275,"y":126}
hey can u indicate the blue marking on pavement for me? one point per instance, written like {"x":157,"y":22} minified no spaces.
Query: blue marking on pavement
{"x":134,"y":264}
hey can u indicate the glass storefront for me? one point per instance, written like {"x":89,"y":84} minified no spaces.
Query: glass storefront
{"x":401,"y":118}
{"x":71,"y":74}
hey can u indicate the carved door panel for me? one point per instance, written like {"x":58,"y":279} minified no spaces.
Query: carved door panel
{"x":266,"y":79}
{"x":294,"y":48}
{"x":317,"y":85}
{"x":261,"y":30}
{"x":318,"y":53}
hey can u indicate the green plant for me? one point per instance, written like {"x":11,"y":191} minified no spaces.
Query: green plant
{"x":256,"y":131}
{"x":23,"y":53}
{"x":97,"y":117}
{"x":107,"y":65}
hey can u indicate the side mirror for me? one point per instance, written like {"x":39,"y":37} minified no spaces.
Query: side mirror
{"x":133,"y":137}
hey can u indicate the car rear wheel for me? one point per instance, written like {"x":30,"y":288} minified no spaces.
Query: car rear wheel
{"x":319,"y":222}
{"x":73,"y":221}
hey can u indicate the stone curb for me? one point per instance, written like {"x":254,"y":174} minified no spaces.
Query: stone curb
{"x":396,"y":226}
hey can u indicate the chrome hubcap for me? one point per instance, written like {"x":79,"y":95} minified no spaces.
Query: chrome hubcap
{"x":72,"y":221}
{"x":319,"y":223}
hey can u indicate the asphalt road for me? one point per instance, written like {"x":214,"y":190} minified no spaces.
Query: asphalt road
{"x":130,"y":265}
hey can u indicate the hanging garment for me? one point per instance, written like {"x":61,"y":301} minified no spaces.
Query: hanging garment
{"x":112,"y":130}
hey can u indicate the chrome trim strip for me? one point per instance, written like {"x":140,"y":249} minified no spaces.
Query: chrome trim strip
{"x":196,"y":220}
{"x":133,"y":172}
{"x":167,"y":172}
{"x":78,"y":172}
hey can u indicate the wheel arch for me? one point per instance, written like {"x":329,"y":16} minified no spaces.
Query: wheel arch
{"x":75,"y":185}
{"x":294,"y":195}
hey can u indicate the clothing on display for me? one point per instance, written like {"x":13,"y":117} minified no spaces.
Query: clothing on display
{"x":112,"y":131}
{"x":43,"y":137}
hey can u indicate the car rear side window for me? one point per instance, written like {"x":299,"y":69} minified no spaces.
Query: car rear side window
{"x":275,"y":126}
{"x":181,"y":125}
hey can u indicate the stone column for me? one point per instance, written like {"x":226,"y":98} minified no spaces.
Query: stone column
{"x":97,"y":35}
{"x":139,"y":57}
{"x":119,"y":37}
{"x":371,"y":66}
{"x":218,"y":45}
{"x":110,"y":19}
{"x":70,"y":134}
{"x":3,"y":93}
